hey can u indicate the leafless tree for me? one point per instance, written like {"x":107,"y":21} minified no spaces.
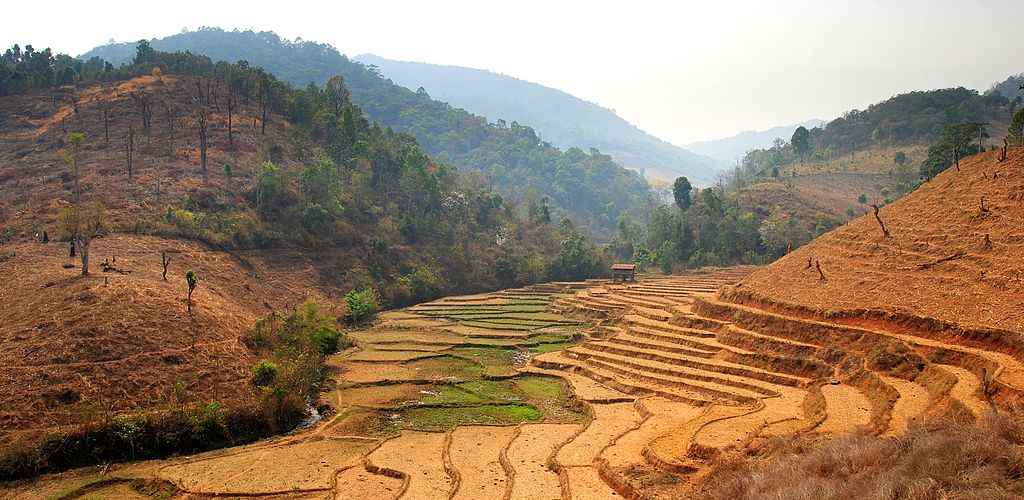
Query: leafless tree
{"x":885,"y":232}
{"x":129,"y":149}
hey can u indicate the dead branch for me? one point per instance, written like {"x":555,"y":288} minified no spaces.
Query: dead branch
{"x":809,"y":263}
{"x":947,"y":258}
{"x":885,"y":232}
{"x":1002,"y":151}
{"x":821,"y":274}
{"x":983,"y":209}
{"x":988,"y":241}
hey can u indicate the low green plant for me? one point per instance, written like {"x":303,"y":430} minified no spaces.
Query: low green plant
{"x":361,"y":305}
{"x":264,"y":373}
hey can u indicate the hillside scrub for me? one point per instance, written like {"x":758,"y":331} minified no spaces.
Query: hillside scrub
{"x":590,"y":187}
{"x":949,"y":457}
{"x":310,"y":173}
{"x":292,"y":348}
{"x":296,"y":346}
{"x":182,"y":427}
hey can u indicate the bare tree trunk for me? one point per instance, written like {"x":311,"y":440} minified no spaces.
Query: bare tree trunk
{"x":83,"y":250}
{"x":106,"y":125}
{"x":202,"y":140}
{"x":129,"y":149}
{"x":165,"y":260}
{"x":885,"y":232}
{"x":231,"y":110}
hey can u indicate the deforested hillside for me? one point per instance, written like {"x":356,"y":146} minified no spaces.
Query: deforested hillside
{"x":584,"y":183}
{"x":562,"y":119}
{"x":164,"y":224}
{"x":947,"y":259}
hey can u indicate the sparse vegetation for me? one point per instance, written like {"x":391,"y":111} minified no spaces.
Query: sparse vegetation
{"x":82,"y":225}
{"x":945,"y":458}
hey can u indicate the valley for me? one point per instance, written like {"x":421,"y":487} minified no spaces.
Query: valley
{"x":246,"y":266}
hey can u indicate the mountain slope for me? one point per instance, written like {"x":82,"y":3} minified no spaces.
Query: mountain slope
{"x":948,"y":266}
{"x":512,"y":159}
{"x":729,"y":149}
{"x":564,"y":120}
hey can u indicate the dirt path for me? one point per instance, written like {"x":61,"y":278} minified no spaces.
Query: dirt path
{"x":528,"y":455}
{"x":419,"y":455}
{"x":967,"y":389}
{"x":610,"y":421}
{"x":474,"y":452}
{"x":846,"y":409}
{"x":586,"y":484}
{"x":357,"y":482}
{"x":664,"y":416}
{"x":732,"y":431}
{"x":913,"y":401}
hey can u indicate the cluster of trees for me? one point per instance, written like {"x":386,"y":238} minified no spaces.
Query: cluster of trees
{"x":912,"y":118}
{"x":589,"y":187}
{"x":708,"y":227}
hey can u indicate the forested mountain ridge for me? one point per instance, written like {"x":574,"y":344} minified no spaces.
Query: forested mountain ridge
{"x":558,"y":117}
{"x":511,"y":158}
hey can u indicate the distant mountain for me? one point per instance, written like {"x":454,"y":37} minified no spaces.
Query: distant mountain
{"x":513,"y":160}
{"x":731,"y":148}
{"x":560,"y":118}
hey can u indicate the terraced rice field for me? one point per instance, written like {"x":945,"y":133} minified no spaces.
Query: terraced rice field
{"x":588,"y":390}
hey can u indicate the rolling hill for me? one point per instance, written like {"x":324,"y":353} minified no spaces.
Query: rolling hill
{"x":558,"y":117}
{"x":512,"y":159}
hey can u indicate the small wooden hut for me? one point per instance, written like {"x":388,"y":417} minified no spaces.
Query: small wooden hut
{"x":624,"y":272}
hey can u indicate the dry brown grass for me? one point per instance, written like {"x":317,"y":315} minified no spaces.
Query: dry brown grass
{"x":949,"y":457}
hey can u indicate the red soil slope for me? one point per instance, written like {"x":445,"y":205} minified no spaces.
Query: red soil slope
{"x":73,"y":346}
{"x":936,"y":273}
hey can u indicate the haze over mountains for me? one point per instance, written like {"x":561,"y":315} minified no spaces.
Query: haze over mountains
{"x":729,"y":149}
{"x":563,"y":119}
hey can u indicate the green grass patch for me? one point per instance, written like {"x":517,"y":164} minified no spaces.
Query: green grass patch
{"x":446,"y":418}
{"x":446,"y":368}
{"x":499,"y":326}
{"x":543,"y":388}
{"x":451,"y":395}
{"x":546,"y":338}
{"x":494,"y":390}
{"x":525,"y":307}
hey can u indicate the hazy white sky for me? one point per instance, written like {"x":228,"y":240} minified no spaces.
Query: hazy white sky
{"x":684,"y":71}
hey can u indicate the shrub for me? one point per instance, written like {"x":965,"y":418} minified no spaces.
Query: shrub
{"x":360,"y":305}
{"x":264,"y":373}
{"x":423,"y":283}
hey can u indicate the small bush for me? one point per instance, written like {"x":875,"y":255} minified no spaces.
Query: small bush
{"x":264,"y":373}
{"x":361,"y":305}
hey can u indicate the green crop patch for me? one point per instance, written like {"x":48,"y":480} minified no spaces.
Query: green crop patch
{"x":546,"y":338}
{"x":450,"y":395}
{"x":549,"y":389}
{"x":436,"y":419}
{"x":499,"y":326}
{"x":550,"y":347}
{"x":445,"y":368}
{"x":494,"y":390}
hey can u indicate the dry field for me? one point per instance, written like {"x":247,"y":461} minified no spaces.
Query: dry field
{"x":582,"y":390}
